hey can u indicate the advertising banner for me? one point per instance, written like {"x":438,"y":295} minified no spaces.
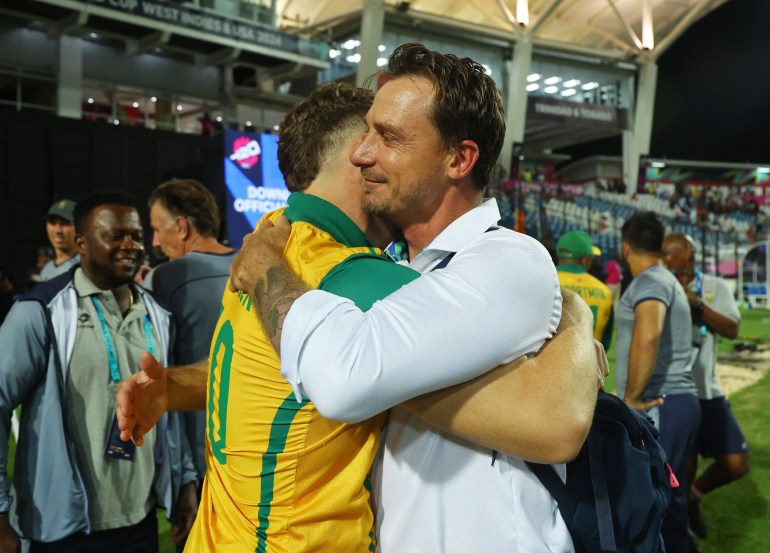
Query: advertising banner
{"x":192,"y":17}
{"x":254,"y":183}
{"x":542,"y":108}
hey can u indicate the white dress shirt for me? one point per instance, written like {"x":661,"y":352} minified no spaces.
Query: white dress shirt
{"x":497,"y":299}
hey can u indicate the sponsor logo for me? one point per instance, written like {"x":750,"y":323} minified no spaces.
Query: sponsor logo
{"x":246,"y":152}
{"x":84,"y":321}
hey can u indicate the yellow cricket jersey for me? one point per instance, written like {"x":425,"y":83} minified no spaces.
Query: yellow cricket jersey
{"x":595,"y":293}
{"x":280,"y":477}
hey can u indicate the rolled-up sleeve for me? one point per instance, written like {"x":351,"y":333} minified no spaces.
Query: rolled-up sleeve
{"x":497,"y":300}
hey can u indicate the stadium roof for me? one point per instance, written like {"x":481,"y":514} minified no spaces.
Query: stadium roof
{"x":604,"y":28}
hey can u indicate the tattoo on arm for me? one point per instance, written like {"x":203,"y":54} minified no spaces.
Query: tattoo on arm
{"x":274,"y":295}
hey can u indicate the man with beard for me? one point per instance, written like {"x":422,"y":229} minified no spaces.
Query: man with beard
{"x":486,"y":296}
{"x":67,"y":344}
{"x":281,"y":477}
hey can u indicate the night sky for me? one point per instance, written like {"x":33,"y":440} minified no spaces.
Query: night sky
{"x":713,"y":95}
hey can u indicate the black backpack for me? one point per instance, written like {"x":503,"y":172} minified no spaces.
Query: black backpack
{"x":619,"y":487}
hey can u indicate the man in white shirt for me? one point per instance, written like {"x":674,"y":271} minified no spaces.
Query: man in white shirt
{"x":435,"y":131}
{"x":714,"y":313}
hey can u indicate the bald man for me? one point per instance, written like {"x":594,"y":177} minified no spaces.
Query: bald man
{"x":714,"y":312}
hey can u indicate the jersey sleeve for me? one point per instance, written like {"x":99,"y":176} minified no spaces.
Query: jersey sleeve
{"x":647,"y":288}
{"x":366,"y":278}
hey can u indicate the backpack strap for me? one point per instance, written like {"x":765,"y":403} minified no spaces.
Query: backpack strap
{"x":601,"y":497}
{"x":558,"y":490}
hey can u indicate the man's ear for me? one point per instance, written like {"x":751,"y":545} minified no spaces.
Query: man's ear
{"x":80,"y":243}
{"x":183,"y":228}
{"x":463,"y":158}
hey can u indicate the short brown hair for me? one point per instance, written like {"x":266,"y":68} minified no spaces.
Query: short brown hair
{"x":188,"y":198}
{"x":644,"y":232}
{"x":467,"y":103}
{"x":312,"y":131}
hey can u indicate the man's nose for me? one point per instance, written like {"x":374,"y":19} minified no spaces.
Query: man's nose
{"x":362,"y":153}
{"x":129,"y":243}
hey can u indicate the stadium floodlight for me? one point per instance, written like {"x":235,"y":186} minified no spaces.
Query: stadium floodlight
{"x":522,"y":12}
{"x":533,"y":77}
{"x":551,"y":89}
{"x":572,"y":83}
{"x":532,"y":87}
{"x":590,"y":86}
{"x":552,"y":80}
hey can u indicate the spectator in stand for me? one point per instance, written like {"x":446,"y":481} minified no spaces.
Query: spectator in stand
{"x":654,"y":358}
{"x":613,"y":277}
{"x":575,"y":252}
{"x":714,"y":313}
{"x":185,"y":221}
{"x":60,"y":226}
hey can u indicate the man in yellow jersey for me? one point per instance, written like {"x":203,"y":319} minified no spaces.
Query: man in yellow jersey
{"x":268,"y":457}
{"x":279,"y":476}
{"x":575,"y":251}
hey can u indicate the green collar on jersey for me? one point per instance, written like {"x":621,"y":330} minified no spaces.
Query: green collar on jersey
{"x":571,"y":268}
{"x":326,"y":216}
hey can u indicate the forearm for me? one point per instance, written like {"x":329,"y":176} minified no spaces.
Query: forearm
{"x":719,"y":324}
{"x":537,"y":408}
{"x":274,"y":294}
{"x":641,"y":362}
{"x":187,"y":387}
{"x":545,"y":416}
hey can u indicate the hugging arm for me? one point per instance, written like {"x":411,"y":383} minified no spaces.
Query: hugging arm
{"x":538,"y":408}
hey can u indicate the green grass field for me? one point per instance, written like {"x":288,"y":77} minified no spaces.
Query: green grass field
{"x":737,"y":515}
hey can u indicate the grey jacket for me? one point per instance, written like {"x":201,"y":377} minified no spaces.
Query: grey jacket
{"x":36,"y":344}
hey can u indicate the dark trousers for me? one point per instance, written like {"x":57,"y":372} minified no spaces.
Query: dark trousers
{"x":139,"y":538}
{"x":679,"y":422}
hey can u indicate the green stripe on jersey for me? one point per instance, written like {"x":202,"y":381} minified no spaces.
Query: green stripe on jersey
{"x":366,"y":278}
{"x":279,"y":431}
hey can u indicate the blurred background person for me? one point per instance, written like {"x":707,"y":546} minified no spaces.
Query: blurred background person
{"x":60,"y":227}
{"x":654,"y":359}
{"x":185,"y":221}
{"x":714,"y":313}
{"x":613,"y":277}
{"x":575,"y":253}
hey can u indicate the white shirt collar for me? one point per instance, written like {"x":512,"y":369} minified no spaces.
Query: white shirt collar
{"x":467,"y":227}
